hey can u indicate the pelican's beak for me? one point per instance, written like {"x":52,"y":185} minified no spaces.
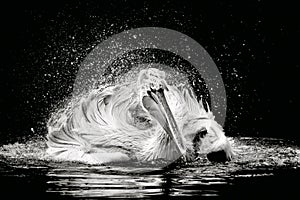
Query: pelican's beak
{"x":158,"y":107}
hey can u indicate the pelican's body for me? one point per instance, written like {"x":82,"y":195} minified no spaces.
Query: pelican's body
{"x":143,"y":120}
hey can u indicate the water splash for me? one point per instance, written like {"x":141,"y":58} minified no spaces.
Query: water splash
{"x":251,"y":153}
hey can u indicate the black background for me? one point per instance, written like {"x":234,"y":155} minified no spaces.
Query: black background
{"x":255,"y":45}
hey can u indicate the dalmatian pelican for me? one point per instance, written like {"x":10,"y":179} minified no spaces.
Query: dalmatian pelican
{"x":143,"y":120}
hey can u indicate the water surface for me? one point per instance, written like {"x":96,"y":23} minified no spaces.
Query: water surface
{"x":262,"y":167}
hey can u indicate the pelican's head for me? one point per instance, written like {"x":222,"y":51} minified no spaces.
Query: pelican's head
{"x":202,"y":131}
{"x":196,"y":130}
{"x":207,"y":137}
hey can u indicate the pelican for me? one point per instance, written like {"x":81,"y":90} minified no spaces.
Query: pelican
{"x":143,"y":120}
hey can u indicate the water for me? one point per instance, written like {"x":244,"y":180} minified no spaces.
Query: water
{"x":262,"y":167}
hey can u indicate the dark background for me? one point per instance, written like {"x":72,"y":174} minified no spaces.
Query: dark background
{"x":255,"y":45}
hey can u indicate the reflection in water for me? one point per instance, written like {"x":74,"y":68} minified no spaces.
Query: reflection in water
{"x":259,"y":162}
{"x":95,"y":182}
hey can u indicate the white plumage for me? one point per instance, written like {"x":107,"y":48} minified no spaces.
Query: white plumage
{"x":113,"y":124}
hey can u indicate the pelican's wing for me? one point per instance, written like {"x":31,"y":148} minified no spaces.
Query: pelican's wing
{"x":65,"y":135}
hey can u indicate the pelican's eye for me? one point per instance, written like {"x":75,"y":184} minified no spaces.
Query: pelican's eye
{"x":201,"y":133}
{"x":197,"y":139}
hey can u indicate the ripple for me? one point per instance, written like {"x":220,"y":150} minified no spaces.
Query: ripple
{"x":256,"y":158}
